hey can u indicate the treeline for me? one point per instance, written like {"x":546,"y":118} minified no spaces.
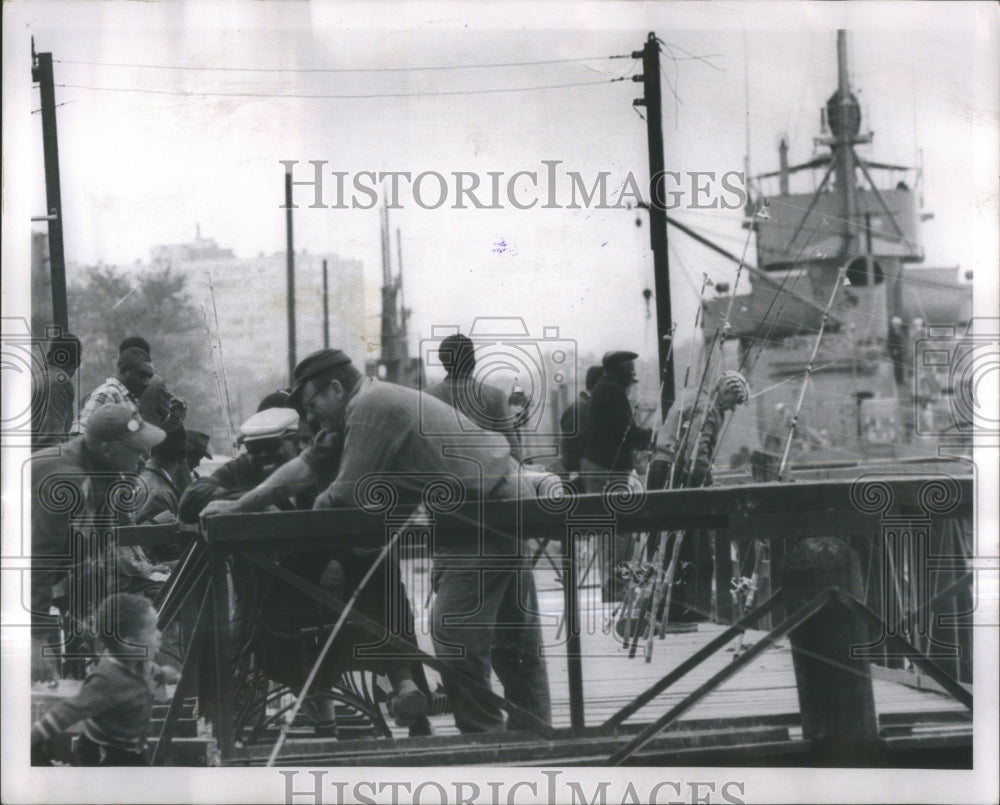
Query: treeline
{"x":108,"y":304}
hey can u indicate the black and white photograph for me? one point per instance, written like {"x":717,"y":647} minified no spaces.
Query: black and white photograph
{"x":503,"y":402}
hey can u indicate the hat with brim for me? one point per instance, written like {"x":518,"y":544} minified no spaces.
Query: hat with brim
{"x":313,"y":366}
{"x":612,"y":360}
{"x":119,"y":423}
{"x":271,"y":423}
{"x":198,"y":441}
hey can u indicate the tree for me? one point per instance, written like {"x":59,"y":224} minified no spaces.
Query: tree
{"x":110,"y":304}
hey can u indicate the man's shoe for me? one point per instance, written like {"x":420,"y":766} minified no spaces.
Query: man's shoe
{"x":407,"y":703}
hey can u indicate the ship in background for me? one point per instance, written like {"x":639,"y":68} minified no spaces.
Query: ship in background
{"x":863,"y":402}
{"x":394,"y":362}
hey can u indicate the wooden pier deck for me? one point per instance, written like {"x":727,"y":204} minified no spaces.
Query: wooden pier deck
{"x":762,"y":694}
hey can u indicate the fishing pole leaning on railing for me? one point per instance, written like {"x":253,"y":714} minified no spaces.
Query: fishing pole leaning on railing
{"x":219,"y":368}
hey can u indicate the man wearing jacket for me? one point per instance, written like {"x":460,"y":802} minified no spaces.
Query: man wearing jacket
{"x":612,"y":436}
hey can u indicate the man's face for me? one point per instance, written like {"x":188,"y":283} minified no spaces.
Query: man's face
{"x":728,"y":399}
{"x":324,"y":403}
{"x":122,"y":456}
{"x":192,"y":457}
{"x":136,"y":378}
{"x":269,"y":454}
{"x":149,"y":634}
{"x":624,"y":373}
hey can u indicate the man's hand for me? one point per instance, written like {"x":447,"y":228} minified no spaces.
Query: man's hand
{"x":217,"y":507}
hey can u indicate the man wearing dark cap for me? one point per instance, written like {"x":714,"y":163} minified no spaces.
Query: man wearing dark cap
{"x":83,"y":473}
{"x":484,"y":404}
{"x":573,"y":424}
{"x":195,"y":449}
{"x":612,"y":436}
{"x":136,"y":341}
{"x":271,"y":473}
{"x":411,"y":439}
{"x":276,"y":399}
{"x":52,"y":393}
{"x":135,"y":370}
{"x":158,"y":405}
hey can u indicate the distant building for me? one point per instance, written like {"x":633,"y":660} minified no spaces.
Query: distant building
{"x":250,"y":296}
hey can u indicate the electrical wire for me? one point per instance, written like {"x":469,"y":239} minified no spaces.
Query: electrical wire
{"x":217,"y":68}
{"x":305,"y":95}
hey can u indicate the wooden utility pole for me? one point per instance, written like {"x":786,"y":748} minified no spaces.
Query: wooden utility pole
{"x":41,"y":71}
{"x":290,"y":248}
{"x":326,"y":310}
{"x":650,"y":55}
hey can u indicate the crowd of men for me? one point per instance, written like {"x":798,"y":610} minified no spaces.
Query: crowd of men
{"x":312,"y":446}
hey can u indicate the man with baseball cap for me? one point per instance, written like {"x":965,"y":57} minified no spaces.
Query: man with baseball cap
{"x":683,"y":455}
{"x":612,"y":436}
{"x":87,"y":472}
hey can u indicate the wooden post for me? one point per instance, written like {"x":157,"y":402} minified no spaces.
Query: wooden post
{"x":290,"y":276}
{"x":42,"y":73}
{"x":835,"y":691}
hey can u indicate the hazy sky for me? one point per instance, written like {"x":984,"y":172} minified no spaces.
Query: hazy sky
{"x":142,"y":168}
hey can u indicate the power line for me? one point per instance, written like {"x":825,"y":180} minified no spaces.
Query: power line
{"x":212,"y":68}
{"x":342,"y":97}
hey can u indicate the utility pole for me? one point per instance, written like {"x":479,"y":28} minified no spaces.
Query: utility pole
{"x":290,"y":248}
{"x":41,"y":71}
{"x":650,"y":55}
{"x":326,"y":310}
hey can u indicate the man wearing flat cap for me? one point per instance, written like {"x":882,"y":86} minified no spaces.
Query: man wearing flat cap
{"x":279,"y":475}
{"x":612,"y":436}
{"x":89,"y":472}
{"x":409,"y":438}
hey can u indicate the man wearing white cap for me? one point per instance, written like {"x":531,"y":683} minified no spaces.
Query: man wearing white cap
{"x":271,"y":439}
{"x":85,"y":480}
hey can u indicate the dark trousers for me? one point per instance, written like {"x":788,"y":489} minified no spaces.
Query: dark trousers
{"x":486,"y":619}
{"x":617,"y":550}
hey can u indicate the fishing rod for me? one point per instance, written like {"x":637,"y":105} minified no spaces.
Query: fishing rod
{"x":719,"y":337}
{"x":290,"y":717}
{"x":215,"y":370}
{"x":660,"y":595}
{"x":809,"y":370}
{"x":692,"y":439}
{"x":222,"y":363}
